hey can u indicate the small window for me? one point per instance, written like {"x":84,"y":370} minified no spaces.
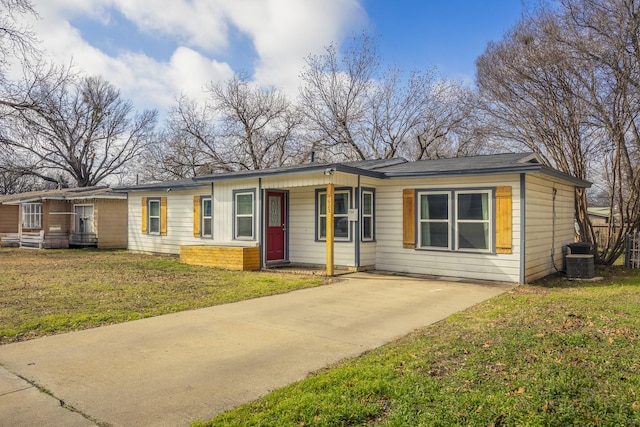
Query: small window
{"x":473,"y":224}
{"x":154,"y":216}
{"x":341,"y":228}
{"x":32,"y":215}
{"x":433,"y":218}
{"x":244,"y":219}
{"x":83,"y":218}
{"x":367,"y":215}
{"x":206,"y":217}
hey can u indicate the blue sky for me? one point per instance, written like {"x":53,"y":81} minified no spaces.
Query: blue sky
{"x":154,"y":50}
{"x":449,"y":35}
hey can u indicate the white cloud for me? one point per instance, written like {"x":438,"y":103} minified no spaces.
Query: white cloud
{"x":283,"y":33}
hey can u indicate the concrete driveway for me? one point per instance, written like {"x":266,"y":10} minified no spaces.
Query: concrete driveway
{"x":174,"y":369}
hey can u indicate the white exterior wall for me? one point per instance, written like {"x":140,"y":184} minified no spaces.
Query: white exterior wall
{"x":368,"y":249}
{"x":303,"y":246}
{"x":391,"y":255}
{"x":179,"y":222}
{"x":540,"y":237}
{"x":386,"y":252}
{"x":223,"y":221}
{"x":180,"y":219}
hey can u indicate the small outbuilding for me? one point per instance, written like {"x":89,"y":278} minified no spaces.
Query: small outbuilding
{"x":499,"y":217}
{"x":88,"y":216}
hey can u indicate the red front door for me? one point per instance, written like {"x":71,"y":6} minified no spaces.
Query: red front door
{"x":276,"y":233}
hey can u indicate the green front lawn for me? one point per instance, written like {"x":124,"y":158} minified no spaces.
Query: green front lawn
{"x":44,"y":292}
{"x":556,"y":353}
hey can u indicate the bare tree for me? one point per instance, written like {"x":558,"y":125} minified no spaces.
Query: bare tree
{"x":187,"y":146}
{"x":258,"y":125}
{"x":241,"y":127}
{"x":356,"y":112}
{"x":70,"y":129}
{"x":561,"y":83}
{"x":334,"y":97}
{"x":13,"y":181}
{"x":15,"y":39}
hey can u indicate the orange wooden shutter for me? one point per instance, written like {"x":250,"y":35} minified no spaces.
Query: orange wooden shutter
{"x":163,"y":216}
{"x":503,"y":220}
{"x":144,"y":215}
{"x":196,"y":216}
{"x":408,"y":218}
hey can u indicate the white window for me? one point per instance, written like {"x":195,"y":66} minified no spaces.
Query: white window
{"x":244,"y":215}
{"x":455,"y":220}
{"x":433,"y":219}
{"x":154,"y":216}
{"x":367,"y":215}
{"x":473,"y":220}
{"x":206,"y":217}
{"x":83,"y":218}
{"x":32,"y":215}
{"x":341,"y":228}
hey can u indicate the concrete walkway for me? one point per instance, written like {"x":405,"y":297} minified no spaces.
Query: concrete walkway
{"x":174,"y":369}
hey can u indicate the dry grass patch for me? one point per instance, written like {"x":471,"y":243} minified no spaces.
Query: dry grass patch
{"x":52,"y":291}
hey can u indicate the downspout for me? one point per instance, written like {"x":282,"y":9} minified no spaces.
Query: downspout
{"x":523,"y":228}
{"x":553,"y":232}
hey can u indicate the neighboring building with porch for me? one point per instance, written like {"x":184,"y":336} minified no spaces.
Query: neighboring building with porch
{"x":86,"y":216}
{"x":500,"y":217}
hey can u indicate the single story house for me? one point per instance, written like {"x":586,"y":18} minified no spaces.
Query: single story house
{"x":88,"y":216}
{"x":605,"y":223}
{"x":9,"y":218}
{"x":503,"y":217}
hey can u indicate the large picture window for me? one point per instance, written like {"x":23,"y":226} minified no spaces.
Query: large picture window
{"x":455,"y":220}
{"x":244,"y":215}
{"x":32,"y":215}
{"x":341,"y":229}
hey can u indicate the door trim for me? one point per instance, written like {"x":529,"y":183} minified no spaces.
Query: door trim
{"x":285,"y":195}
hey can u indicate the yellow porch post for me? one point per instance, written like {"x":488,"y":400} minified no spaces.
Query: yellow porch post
{"x":330,"y":192}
